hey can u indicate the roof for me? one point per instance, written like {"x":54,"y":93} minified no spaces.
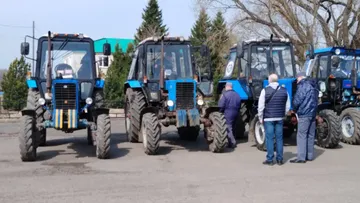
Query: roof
{"x":123,"y":43}
{"x":343,"y":51}
{"x":166,"y":38}
{"x":263,"y":40}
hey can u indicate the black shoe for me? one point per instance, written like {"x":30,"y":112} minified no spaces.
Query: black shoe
{"x":308,"y":159}
{"x":297,"y":161}
{"x":270,"y":163}
{"x":279,"y":162}
{"x":232,"y":146}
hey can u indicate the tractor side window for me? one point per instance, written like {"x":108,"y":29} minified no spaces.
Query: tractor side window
{"x":259,"y":65}
{"x":133,"y":65}
{"x":245,"y":71}
{"x":323,"y":67}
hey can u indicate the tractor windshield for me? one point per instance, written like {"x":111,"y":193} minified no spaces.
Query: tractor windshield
{"x":282,"y":57}
{"x":69,"y":58}
{"x":231,"y":64}
{"x":341,"y":65}
{"x":177,"y":61}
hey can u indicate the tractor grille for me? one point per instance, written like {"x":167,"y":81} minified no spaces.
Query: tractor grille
{"x":65,"y":96}
{"x":184,"y":95}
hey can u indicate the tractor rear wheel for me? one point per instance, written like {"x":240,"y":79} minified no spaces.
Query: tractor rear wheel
{"x":350,"y":126}
{"x":218,"y":131}
{"x":135,"y":103}
{"x":33,"y":104}
{"x":189,"y":133}
{"x":328,"y":131}
{"x":27,"y":139}
{"x":103,"y":135}
{"x":150,"y":130}
{"x":239,"y":130}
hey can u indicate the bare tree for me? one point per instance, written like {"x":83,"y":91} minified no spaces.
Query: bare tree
{"x":327,"y":22}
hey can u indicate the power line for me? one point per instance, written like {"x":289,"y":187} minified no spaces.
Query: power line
{"x":15,"y":26}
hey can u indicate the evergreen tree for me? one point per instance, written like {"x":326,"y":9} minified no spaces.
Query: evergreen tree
{"x":116,"y":77}
{"x":219,"y":44}
{"x":152,"y":22}
{"x":199,"y":35}
{"x":201,"y":29}
{"x":14,"y":85}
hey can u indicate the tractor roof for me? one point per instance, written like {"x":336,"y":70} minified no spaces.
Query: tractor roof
{"x":166,"y":38}
{"x":263,"y":40}
{"x":65,"y":35}
{"x":343,"y":50}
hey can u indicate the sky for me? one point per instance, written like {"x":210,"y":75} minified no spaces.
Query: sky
{"x":97,"y":19}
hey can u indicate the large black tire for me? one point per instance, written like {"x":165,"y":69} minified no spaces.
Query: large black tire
{"x":103,"y":135}
{"x":328,"y":132}
{"x":257,"y":131}
{"x":150,"y":130}
{"x":135,"y":103}
{"x":99,"y":98}
{"x":218,"y":132}
{"x":27,"y":139}
{"x":189,"y":133}
{"x":33,"y":104}
{"x":350,"y":126}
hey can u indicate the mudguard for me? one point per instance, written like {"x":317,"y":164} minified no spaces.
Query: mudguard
{"x":28,"y":112}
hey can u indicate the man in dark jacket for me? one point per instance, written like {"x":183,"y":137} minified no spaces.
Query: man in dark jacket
{"x":229,"y":104}
{"x":305,"y":105}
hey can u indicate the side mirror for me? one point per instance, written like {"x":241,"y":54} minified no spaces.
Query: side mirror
{"x":106,"y":49}
{"x":309,"y":66}
{"x":25,"y":47}
{"x":204,"y":50}
{"x":239,"y":51}
{"x":311,"y":51}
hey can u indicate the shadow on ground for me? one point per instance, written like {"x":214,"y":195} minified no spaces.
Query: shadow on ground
{"x":81,"y":148}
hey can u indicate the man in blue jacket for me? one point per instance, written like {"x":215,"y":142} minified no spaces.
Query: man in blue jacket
{"x":229,"y":104}
{"x":305,"y":105}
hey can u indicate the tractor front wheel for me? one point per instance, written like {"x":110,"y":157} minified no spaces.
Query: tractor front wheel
{"x":328,"y":129}
{"x":103,"y":135}
{"x":135,"y":103}
{"x":257,"y":130}
{"x":217,"y":132}
{"x":350,"y":126}
{"x":27,"y":139}
{"x":151,"y":132}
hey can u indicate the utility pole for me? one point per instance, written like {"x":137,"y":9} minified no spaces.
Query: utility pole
{"x":33,"y":50}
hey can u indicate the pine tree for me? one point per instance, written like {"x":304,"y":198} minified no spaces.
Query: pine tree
{"x":152,"y":22}
{"x":201,"y":29}
{"x":219,"y":44}
{"x":14,"y":85}
{"x":117,"y":75}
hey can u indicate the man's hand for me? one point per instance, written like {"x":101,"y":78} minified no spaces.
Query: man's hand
{"x":290,"y":112}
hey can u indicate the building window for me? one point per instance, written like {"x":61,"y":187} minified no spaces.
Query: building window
{"x":103,"y":61}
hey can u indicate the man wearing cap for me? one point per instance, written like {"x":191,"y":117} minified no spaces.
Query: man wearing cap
{"x":273,"y":105}
{"x":229,"y":104}
{"x":305,"y":105}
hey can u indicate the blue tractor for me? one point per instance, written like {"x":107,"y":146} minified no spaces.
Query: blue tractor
{"x":162,"y":90}
{"x":64,"y":94}
{"x":248,"y":68}
{"x":336,"y":70}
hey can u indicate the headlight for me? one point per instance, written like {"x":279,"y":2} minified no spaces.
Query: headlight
{"x":322,"y":86}
{"x":88,"y":101}
{"x":154,"y":95}
{"x":200,"y":102}
{"x":170,"y":103}
{"x":337,"y":51}
{"x":41,"y":101}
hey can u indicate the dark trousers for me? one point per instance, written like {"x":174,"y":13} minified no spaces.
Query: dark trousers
{"x":274,"y":129}
{"x":230,"y":132}
{"x":305,"y":138}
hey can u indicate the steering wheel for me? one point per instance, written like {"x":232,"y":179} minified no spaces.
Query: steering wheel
{"x":63,"y":66}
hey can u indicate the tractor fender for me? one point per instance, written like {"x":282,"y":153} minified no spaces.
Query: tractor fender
{"x":100,"y":111}
{"x":209,"y":110}
{"x":28,"y":112}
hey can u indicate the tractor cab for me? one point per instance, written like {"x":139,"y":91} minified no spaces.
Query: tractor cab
{"x":251,"y":62}
{"x":336,"y":70}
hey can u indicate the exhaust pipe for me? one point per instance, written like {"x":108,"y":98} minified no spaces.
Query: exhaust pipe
{"x":49,"y":71}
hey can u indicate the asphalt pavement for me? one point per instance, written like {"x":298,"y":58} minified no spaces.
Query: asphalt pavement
{"x":68,"y":171}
